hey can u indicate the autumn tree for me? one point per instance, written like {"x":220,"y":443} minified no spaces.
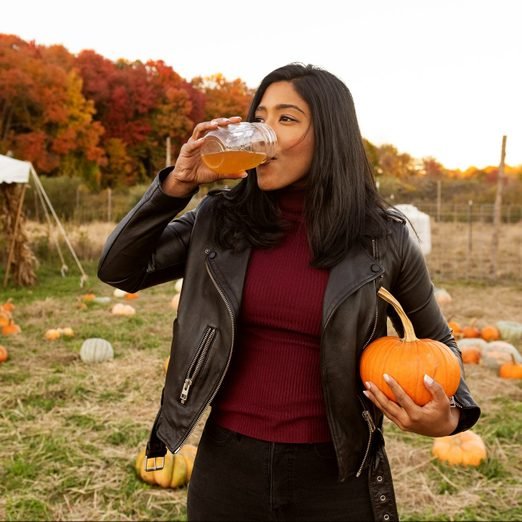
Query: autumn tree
{"x":432,"y":168}
{"x":44,"y":117}
{"x":223,"y":97}
{"x":393,"y":163}
{"x":139,"y":105}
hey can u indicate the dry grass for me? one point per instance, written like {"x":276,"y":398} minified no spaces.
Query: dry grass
{"x":463,"y":252}
{"x":69,"y":432}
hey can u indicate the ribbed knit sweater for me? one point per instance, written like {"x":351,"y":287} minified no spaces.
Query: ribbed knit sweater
{"x":273,"y":386}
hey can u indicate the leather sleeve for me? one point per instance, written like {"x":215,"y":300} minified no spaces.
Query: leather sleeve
{"x":148,"y":246}
{"x":414,"y":290}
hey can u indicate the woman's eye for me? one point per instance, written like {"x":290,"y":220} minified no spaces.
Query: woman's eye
{"x":258,"y":119}
{"x":286,"y":119}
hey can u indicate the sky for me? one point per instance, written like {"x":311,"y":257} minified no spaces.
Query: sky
{"x":439,"y":78}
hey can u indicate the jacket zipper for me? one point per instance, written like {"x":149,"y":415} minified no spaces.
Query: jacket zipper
{"x":371,"y":428}
{"x":197,"y":362}
{"x":233,"y":323}
{"x":375,"y":319}
{"x":366,"y":414}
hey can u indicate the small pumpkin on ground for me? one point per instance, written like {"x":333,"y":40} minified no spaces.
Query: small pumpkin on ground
{"x":4,"y":354}
{"x":490,"y":333}
{"x":95,"y":350}
{"x":470,"y":331}
{"x":407,"y":360}
{"x":455,"y":328}
{"x":8,"y":306}
{"x":510,"y":370}
{"x":174,"y":302}
{"x":176,"y":471}
{"x":11,"y":328}
{"x":442,"y":297}
{"x":497,"y":353}
{"x":5,"y":318}
{"x":463,"y":449}
{"x":123,"y":309}
{"x":166,"y":364}
{"x":510,"y":331}
{"x":471,"y":349}
{"x":52,"y":334}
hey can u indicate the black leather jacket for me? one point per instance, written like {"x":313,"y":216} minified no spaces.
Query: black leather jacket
{"x":149,"y":247}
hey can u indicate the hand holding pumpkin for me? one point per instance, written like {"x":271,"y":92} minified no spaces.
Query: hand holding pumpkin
{"x":435,"y":419}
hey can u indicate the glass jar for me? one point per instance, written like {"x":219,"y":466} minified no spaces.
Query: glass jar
{"x":238,"y":147}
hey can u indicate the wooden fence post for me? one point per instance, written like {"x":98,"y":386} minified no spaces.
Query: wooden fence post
{"x":497,"y":212}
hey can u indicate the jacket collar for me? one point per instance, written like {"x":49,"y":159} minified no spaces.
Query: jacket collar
{"x":354,"y":271}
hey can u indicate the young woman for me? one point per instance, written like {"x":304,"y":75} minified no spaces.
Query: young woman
{"x":280,"y":279}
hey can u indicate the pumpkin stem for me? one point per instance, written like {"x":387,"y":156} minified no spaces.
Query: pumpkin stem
{"x":409,"y":332}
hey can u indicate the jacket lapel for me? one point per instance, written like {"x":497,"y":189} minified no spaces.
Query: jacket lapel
{"x":354,"y":271}
{"x":230,"y":269}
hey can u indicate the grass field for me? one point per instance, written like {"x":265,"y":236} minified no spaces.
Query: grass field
{"x":69,"y":432}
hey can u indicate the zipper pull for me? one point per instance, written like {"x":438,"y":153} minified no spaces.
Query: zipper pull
{"x":368,"y":418}
{"x":185,"y":391}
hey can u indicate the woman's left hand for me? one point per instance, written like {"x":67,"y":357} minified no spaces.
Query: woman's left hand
{"x":435,"y":419}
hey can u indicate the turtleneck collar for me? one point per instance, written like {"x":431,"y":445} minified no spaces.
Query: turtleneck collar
{"x":291,"y":202}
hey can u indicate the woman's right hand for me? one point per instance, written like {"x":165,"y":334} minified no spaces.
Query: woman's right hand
{"x":190,"y":171}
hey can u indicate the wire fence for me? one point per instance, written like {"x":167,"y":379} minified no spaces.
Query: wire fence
{"x":461,"y":234}
{"x":462,"y":245}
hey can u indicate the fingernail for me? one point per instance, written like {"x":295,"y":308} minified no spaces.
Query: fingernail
{"x":368,"y":385}
{"x":386,"y":377}
{"x":366,"y":394}
{"x":244,"y":175}
{"x":428,"y":380}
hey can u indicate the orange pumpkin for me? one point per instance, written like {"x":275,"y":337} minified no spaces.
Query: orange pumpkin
{"x":8,"y":306}
{"x":465,"y":449}
{"x":470,"y":331}
{"x":4,"y":355}
{"x":130,"y":296}
{"x":510,"y":370}
{"x":490,"y":333}
{"x":407,"y":360}
{"x":176,"y":470}
{"x":11,"y":328}
{"x":5,"y":318}
{"x":471,"y":354}
{"x":455,"y":328}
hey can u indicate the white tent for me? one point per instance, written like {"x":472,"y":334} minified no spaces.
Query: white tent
{"x":16,"y":171}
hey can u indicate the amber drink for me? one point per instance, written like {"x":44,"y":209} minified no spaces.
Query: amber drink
{"x":238,"y":147}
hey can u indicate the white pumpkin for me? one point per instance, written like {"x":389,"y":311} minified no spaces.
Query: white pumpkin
{"x":95,"y":350}
{"x":123,"y":309}
{"x":119,"y":293}
{"x":102,"y":299}
{"x":178,"y":285}
{"x":497,"y":353}
{"x":442,"y":296}
{"x":476,"y":342}
{"x":510,"y":330}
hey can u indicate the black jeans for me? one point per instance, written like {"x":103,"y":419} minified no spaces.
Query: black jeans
{"x":240,"y":478}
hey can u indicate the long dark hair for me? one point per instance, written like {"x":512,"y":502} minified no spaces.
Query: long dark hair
{"x":342,"y":205}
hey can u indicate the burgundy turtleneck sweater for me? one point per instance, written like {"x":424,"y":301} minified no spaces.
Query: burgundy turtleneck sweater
{"x":273,"y":387}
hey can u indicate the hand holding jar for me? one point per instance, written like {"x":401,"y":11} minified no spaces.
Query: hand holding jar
{"x":223,"y":148}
